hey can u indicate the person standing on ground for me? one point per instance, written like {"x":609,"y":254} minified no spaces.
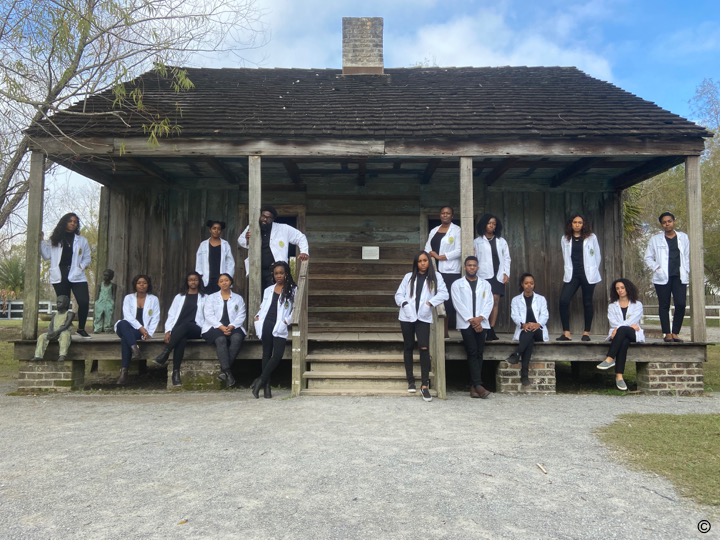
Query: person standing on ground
{"x":275,"y":239}
{"x":419,"y":292}
{"x":667,"y":255}
{"x":530,"y":315}
{"x":474,"y":302}
{"x":69,"y":255}
{"x":444,"y":245}
{"x":582,"y":258}
{"x":492,"y":252}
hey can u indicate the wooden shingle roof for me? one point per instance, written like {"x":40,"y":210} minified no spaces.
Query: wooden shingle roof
{"x":405,"y":103}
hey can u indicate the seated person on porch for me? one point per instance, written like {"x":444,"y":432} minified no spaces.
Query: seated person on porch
{"x":60,"y":329}
{"x":625,"y":313}
{"x":275,"y":239}
{"x":104,"y":304}
{"x":530,"y":314}
{"x":141,"y":314}
{"x":184,"y":322}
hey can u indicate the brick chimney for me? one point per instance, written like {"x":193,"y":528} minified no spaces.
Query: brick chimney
{"x":363,"y":45}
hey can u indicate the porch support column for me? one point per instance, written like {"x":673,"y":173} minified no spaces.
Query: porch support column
{"x":466,"y":197}
{"x":31,"y":297}
{"x":254,"y":247}
{"x":693,"y":180}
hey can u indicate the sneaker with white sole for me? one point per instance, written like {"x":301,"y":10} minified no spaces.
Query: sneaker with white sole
{"x":412,"y":388}
{"x":604,"y":365}
{"x":621,"y":385}
{"x":426,"y":394}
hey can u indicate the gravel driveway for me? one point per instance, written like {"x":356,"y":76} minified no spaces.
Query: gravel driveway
{"x":223,"y":465}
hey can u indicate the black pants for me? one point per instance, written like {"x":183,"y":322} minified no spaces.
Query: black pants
{"x":449,"y":278}
{"x":526,"y":347}
{"x":674,"y":289}
{"x":227,"y":347}
{"x":618,"y":348}
{"x":474,"y":345}
{"x":421,"y":332}
{"x":568,"y":292}
{"x":82,"y":297}
{"x":178,"y":338}
{"x":273,"y":349}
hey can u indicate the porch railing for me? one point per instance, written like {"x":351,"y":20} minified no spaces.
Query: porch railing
{"x":437,"y":348}
{"x":299,"y":329}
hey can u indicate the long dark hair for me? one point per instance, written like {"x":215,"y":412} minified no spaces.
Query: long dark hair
{"x":185,"y":287}
{"x":632,"y":292}
{"x":59,"y":231}
{"x":142,"y":276}
{"x":289,"y":285}
{"x":481,"y":226}
{"x":586,"y":228}
{"x":430,"y":273}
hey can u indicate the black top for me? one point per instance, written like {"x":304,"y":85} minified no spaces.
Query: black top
{"x":188,"y":311}
{"x":436,"y":241}
{"x":420,"y":280}
{"x":139,"y":316}
{"x":529,"y":312}
{"x":214,"y":263}
{"x":578,"y":256}
{"x":266,"y":255}
{"x":674,"y":257}
{"x":494,"y":256}
{"x":624,"y":312}
{"x":272,"y":314}
{"x":66,"y":258}
{"x":472,"y":284}
{"x":225,"y":320}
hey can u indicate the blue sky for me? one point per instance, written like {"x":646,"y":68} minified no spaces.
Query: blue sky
{"x":659,"y":50}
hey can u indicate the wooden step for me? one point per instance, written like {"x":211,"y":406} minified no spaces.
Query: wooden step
{"x":350,"y":392}
{"x":339,"y":298}
{"x":318,"y":326}
{"x":335,"y":250}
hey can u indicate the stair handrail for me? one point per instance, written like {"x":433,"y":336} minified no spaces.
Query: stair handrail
{"x":437,"y":348}
{"x":299,"y":328}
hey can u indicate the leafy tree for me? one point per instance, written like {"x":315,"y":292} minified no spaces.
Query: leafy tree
{"x":12,"y":272}
{"x":666,"y":192}
{"x":55,"y":53}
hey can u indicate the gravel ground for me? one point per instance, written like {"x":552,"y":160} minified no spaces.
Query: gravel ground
{"x":223,"y":465}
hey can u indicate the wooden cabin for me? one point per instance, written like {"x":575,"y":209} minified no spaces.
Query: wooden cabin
{"x":361,"y":159}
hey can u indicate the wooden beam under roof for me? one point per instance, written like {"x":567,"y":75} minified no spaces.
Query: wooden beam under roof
{"x":572,"y":170}
{"x":431,"y":168}
{"x":88,"y":170}
{"x":644,"y":171}
{"x":151,"y":169}
{"x":293,"y":171}
{"x":361,"y":178}
{"x":231,"y":177}
{"x":499,"y":170}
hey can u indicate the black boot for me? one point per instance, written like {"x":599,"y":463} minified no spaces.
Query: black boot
{"x":227,"y":377}
{"x":267,"y":391}
{"x":123,"y":378}
{"x":175,"y":377}
{"x":162,"y":356}
{"x":256,"y":387}
{"x":491,"y":335}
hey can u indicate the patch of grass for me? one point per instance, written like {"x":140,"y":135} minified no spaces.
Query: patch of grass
{"x":684,"y":449}
{"x":11,"y":329}
{"x":711,"y":369}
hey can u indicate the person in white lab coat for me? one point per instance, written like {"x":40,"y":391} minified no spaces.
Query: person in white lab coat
{"x":419,"y":292}
{"x":272,"y":322}
{"x":582,"y":258}
{"x":625,"y":313}
{"x":214,"y":257}
{"x":141,"y":314}
{"x":275,"y":239}
{"x":530,"y":314}
{"x":444,"y":246}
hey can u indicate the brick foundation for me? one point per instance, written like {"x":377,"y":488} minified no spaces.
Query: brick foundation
{"x":52,"y":376}
{"x":670,"y":378}
{"x":541,"y":374}
{"x":197,"y":375}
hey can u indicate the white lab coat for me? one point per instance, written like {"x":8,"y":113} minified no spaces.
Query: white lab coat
{"x":151,"y":312}
{"x":281,"y":236}
{"x":482,"y":250}
{"x":450,"y":247}
{"x":635,"y":311}
{"x":80,"y":260}
{"x":408,"y":312}
{"x":228,"y":264}
{"x":461,"y":296}
{"x":592,"y":257}
{"x":656,"y":258}
{"x":538,"y":306}
{"x":213,"y":311}
{"x":177,"y":306}
{"x":283,"y":314}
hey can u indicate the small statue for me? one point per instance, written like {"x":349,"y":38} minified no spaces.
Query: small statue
{"x":104,"y":304}
{"x":60,"y":329}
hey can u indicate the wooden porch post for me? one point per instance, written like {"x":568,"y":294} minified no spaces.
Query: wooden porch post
{"x":254,"y":247}
{"x":693,"y":181}
{"x":31,"y":297}
{"x":466,"y":196}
